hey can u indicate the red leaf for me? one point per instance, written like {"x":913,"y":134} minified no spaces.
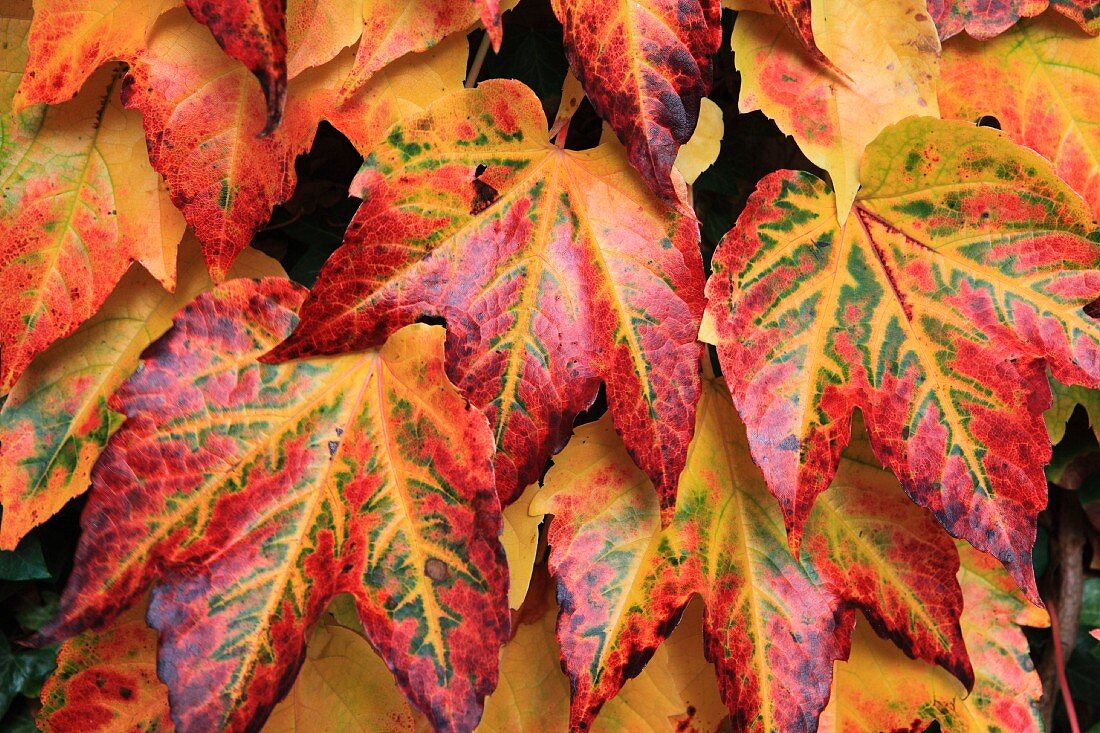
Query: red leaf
{"x":773,"y":626}
{"x":984,"y":20}
{"x":250,"y":495}
{"x":644,"y":66}
{"x":555,"y":269}
{"x":962,"y":272}
{"x":254,"y":33}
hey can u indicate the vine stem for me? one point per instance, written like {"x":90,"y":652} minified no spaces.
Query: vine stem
{"x":1064,"y":589}
{"x":479,"y":59}
{"x":1060,"y":668}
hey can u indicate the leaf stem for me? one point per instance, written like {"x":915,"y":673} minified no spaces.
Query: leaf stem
{"x":479,"y":60}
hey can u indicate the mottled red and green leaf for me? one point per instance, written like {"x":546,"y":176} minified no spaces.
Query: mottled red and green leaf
{"x":772,"y":626}
{"x":645,"y":66}
{"x":962,"y":273}
{"x":555,"y":270}
{"x":288,"y":484}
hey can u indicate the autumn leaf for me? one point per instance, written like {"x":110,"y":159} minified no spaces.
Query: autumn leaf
{"x":983,"y":20}
{"x":772,"y":626}
{"x":490,"y":18}
{"x":366,"y":474}
{"x":70,"y":39}
{"x":403,"y":89}
{"x":521,"y":544}
{"x":392,"y":29}
{"x":1066,"y":400}
{"x":79,"y":204}
{"x":675,"y":691}
{"x":343,"y":686}
{"x":318,"y":30}
{"x":700,"y":152}
{"x":254,"y":33}
{"x":645,"y":66}
{"x":202,"y":112}
{"x":1037,"y":79}
{"x":56,"y":422}
{"x":888,"y":49}
{"x":962,"y":272}
{"x":555,"y":270}
{"x":880,"y":689}
{"x":106,"y":681}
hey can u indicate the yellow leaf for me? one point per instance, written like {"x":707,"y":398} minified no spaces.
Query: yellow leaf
{"x":700,"y":152}
{"x":521,"y":544}
{"x":343,"y":687}
{"x":889,"y":50}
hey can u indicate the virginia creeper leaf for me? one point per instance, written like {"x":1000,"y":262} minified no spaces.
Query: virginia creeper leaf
{"x":521,"y":544}
{"x":202,"y":112}
{"x":254,"y":33}
{"x":343,"y":686}
{"x":56,"y":422}
{"x":288,"y":484}
{"x":962,"y":268}
{"x":879,"y":689}
{"x":645,"y":66}
{"x":675,"y":691}
{"x":1037,"y":79}
{"x":392,"y":29}
{"x":317,"y":30}
{"x":888,"y":49}
{"x":773,"y":627}
{"x":1066,"y":400}
{"x":490,"y":18}
{"x":70,"y":39}
{"x":983,"y":20}
{"x":700,"y":152}
{"x":555,"y":269}
{"x":79,"y":202}
{"x":106,"y":682}
{"x":403,"y":88}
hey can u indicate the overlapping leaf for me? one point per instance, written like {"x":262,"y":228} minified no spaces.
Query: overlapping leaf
{"x":106,"y":681}
{"x":879,"y":689}
{"x":202,"y":112}
{"x":962,"y":271}
{"x":675,"y":691}
{"x":366,"y":474}
{"x":1038,"y":80}
{"x":254,"y":33}
{"x":984,"y":20}
{"x":343,"y":686}
{"x":555,"y":270}
{"x":392,"y":29}
{"x":773,"y":627}
{"x":70,"y":39}
{"x":79,"y":202}
{"x":56,"y":422}
{"x":645,"y":66}
{"x":890,"y":53}
{"x":1066,"y":400}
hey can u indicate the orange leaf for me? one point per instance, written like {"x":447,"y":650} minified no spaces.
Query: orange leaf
{"x":79,"y":203}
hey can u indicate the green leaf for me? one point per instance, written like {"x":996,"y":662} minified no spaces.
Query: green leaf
{"x":25,"y":562}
